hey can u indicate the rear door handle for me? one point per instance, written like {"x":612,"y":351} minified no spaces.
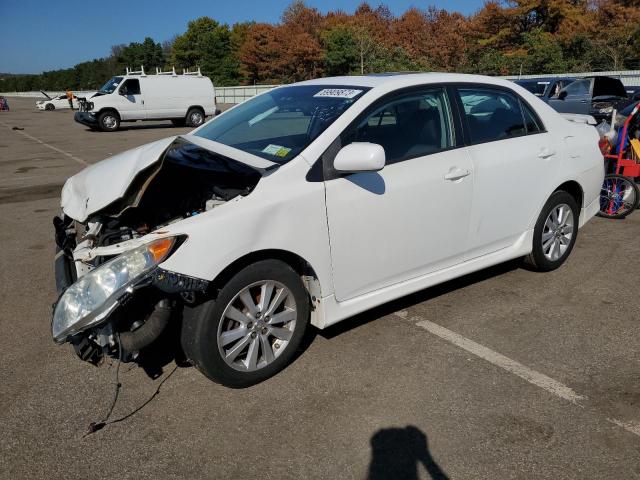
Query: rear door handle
{"x":546,"y":153}
{"x":456,"y":174}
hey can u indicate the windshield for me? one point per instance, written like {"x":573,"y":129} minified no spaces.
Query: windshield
{"x":111,"y":85}
{"x":281,"y":123}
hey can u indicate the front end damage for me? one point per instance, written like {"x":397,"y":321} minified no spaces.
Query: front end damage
{"x":115,"y":299}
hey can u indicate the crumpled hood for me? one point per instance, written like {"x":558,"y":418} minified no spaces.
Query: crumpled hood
{"x":102,"y":183}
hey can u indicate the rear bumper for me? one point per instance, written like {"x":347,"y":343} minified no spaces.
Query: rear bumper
{"x":86,"y":118}
{"x":589,"y":211}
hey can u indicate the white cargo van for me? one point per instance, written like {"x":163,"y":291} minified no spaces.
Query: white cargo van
{"x":184,"y":99}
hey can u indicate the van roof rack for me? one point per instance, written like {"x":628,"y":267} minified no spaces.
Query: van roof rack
{"x":196,"y":73}
{"x":172,"y":72}
{"x":136,"y":72}
{"x":141,"y":72}
{"x":160,"y":72}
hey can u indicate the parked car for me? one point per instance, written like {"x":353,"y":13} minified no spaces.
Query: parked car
{"x":633,"y":92}
{"x":184,"y":99}
{"x":545,"y":88}
{"x":56,"y":103}
{"x":595,"y":96}
{"x":308,"y":204}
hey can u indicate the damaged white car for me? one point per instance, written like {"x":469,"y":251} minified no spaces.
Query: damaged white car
{"x":311,"y":203}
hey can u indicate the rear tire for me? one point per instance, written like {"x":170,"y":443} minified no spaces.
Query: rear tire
{"x":195,"y":117}
{"x":109,"y":121}
{"x":239,"y":339}
{"x":555,"y":233}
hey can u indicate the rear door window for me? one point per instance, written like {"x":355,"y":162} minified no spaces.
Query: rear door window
{"x":579,"y":87}
{"x":491,"y":114}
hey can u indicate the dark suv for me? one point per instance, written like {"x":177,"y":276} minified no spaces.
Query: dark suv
{"x":596,"y":96}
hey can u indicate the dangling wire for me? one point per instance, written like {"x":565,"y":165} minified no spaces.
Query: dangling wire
{"x":95,"y":426}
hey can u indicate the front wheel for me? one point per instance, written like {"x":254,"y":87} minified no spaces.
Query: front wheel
{"x":109,"y":121}
{"x":252,"y":329}
{"x":555,"y":232}
{"x":49,"y":107}
{"x":618,"y":197}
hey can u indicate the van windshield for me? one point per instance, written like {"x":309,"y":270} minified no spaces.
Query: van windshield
{"x":111,"y":85}
{"x":281,"y":123}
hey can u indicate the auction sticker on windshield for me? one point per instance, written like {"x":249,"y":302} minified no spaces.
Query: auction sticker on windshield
{"x":338,"y":92}
{"x":276,"y":150}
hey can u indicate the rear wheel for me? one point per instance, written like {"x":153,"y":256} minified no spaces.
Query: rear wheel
{"x":252,"y":329}
{"x":195,"y":117}
{"x":555,"y":232}
{"x":109,"y":121}
{"x":618,"y":197}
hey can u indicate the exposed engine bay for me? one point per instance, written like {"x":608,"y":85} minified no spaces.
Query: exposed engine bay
{"x":187,"y":180}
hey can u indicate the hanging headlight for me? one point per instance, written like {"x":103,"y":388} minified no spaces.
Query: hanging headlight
{"x":85,"y":303}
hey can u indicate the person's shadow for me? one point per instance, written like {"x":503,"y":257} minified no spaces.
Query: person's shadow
{"x":397,"y":452}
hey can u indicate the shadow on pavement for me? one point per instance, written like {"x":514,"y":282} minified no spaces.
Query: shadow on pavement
{"x":397,"y":453}
{"x":419,"y":297}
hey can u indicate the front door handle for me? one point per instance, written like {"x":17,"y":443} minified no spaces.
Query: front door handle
{"x":456,"y":174}
{"x":546,"y":153}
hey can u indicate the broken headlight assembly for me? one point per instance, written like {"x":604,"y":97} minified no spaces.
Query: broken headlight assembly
{"x":97,"y":293}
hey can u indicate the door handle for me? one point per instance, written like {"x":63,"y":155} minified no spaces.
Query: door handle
{"x":546,"y":153}
{"x":456,"y":174}
{"x":583,"y":101}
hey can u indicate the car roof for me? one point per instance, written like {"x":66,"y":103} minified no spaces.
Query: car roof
{"x":543,"y":79}
{"x":400,"y":80}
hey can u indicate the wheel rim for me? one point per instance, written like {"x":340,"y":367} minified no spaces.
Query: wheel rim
{"x":557,"y":232}
{"x":617,"y":196}
{"x":109,"y":121}
{"x":196,"y":118}
{"x":257,"y":325}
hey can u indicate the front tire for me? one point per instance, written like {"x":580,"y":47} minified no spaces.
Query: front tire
{"x":555,"y":233}
{"x":252,"y":329}
{"x":109,"y":121}
{"x":49,"y":107}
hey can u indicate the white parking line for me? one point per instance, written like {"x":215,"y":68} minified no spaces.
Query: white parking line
{"x":56,"y":149}
{"x":536,"y":378}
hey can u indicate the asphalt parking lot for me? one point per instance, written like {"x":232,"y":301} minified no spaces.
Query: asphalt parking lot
{"x":502,"y":374}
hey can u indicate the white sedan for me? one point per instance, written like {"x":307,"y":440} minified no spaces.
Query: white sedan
{"x":56,"y":103}
{"x":309,"y":204}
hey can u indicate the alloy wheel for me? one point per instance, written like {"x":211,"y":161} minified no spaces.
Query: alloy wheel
{"x":557,"y":232}
{"x":257,"y":325}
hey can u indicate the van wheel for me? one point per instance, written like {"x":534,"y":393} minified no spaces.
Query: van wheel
{"x":49,"y":106}
{"x":109,"y":121}
{"x":178,"y":122}
{"x":252,"y":329}
{"x":555,"y":233}
{"x":195,"y":117}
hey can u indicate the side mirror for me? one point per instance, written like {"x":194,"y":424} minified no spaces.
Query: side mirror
{"x":360,"y":157}
{"x":562,"y":95}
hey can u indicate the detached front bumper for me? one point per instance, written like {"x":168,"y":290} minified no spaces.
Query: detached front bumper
{"x":86,"y":118}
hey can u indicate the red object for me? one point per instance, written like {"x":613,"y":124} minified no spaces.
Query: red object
{"x":625,"y":166}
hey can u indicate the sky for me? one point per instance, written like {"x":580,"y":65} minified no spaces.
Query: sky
{"x":40,"y":35}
